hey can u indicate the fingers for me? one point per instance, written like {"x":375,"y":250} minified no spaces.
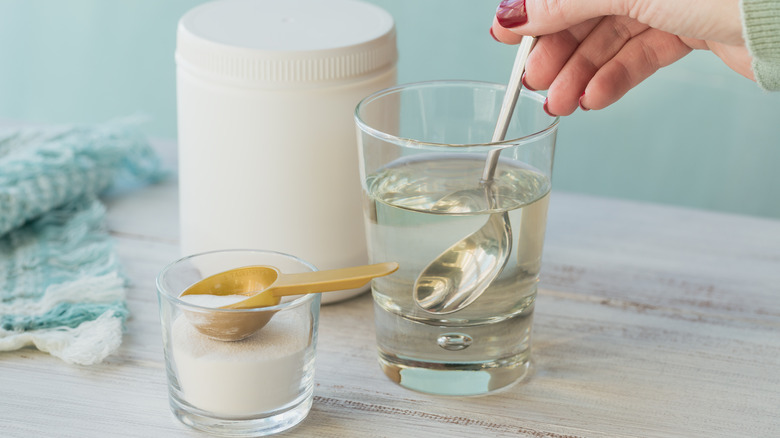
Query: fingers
{"x":591,"y":52}
{"x":597,"y":48}
{"x":593,"y":64}
{"x":552,"y":52}
{"x":639,"y":58}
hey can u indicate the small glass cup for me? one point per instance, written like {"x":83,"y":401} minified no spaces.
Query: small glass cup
{"x":257,"y":386}
{"x":423,"y":149}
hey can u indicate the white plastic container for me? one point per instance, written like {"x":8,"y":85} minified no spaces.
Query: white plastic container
{"x":266,"y":91}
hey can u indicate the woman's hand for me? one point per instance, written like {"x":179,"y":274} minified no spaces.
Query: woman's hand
{"x":591,"y":52}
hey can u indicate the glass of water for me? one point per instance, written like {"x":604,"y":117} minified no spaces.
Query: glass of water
{"x":423,"y":149}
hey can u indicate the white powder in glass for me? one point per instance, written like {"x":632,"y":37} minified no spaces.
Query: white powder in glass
{"x":258,"y":374}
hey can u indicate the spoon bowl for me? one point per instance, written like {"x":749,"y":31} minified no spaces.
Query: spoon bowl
{"x":229,"y":325}
{"x":462,"y":273}
{"x":264,"y":286}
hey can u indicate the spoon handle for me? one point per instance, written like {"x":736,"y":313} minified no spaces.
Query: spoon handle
{"x":508,"y":104}
{"x":330,"y":280}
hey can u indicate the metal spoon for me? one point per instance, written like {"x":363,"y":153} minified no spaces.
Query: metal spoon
{"x":460,"y":274}
{"x":264,"y":286}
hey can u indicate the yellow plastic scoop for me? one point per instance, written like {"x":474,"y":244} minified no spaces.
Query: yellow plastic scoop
{"x":264,"y":286}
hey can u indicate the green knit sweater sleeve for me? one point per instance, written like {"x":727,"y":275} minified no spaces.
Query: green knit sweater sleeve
{"x":761,"y":19}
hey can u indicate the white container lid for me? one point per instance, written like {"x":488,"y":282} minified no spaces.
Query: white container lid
{"x":273,"y":42}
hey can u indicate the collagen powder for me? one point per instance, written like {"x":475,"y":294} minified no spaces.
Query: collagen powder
{"x":259,"y":374}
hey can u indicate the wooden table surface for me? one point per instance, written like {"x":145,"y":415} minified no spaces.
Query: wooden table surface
{"x":651,"y":321}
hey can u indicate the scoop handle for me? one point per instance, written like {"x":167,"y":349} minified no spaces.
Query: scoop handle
{"x":330,"y":280}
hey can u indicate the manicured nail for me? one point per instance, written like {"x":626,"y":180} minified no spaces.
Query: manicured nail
{"x":525,"y":84}
{"x":544,"y":107}
{"x":511,"y":13}
{"x":493,"y":35}
{"x":580,"y":103}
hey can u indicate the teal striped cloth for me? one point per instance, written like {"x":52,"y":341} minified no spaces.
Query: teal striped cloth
{"x":61,"y":287}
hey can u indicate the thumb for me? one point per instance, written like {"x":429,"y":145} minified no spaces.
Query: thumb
{"x":717,"y":20}
{"x":540,"y":17}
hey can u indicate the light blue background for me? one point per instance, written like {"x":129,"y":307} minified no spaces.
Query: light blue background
{"x":694,"y":134}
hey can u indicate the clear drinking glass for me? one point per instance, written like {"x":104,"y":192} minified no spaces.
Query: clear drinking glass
{"x":256,"y":386}
{"x":423,"y":149}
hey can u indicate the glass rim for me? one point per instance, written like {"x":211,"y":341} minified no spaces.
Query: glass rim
{"x":165,"y":292}
{"x":410,"y":142}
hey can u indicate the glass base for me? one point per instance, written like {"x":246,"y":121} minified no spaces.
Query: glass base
{"x":455,"y":379}
{"x":276,"y":422}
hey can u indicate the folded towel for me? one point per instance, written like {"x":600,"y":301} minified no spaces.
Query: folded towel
{"x":61,"y":288}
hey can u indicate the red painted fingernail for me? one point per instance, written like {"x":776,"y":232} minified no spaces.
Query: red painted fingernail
{"x":525,"y":84}
{"x":580,"y":103}
{"x":544,"y":107}
{"x":493,"y":35}
{"x":511,"y":13}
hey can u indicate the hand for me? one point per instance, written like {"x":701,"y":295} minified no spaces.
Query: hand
{"x":591,"y":52}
